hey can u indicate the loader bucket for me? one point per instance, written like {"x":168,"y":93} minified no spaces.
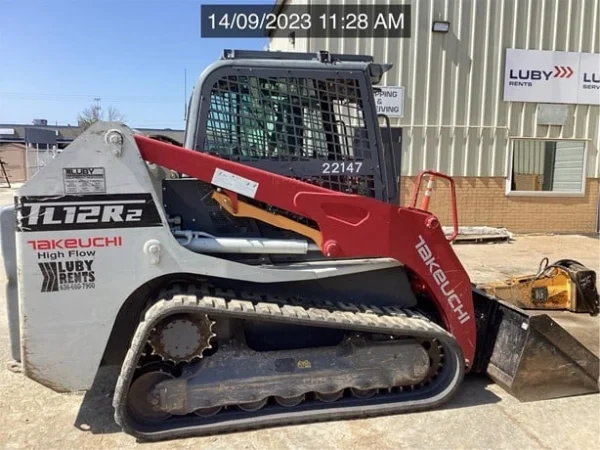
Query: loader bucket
{"x":531,"y":356}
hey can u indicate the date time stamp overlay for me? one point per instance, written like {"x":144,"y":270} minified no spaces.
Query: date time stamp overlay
{"x":333,"y":21}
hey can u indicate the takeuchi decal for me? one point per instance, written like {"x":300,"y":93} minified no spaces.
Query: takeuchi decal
{"x":68,"y":243}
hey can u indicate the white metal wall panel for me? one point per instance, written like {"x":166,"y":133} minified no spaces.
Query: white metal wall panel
{"x":455,"y":119}
{"x":280,"y":40}
{"x":529,"y":157}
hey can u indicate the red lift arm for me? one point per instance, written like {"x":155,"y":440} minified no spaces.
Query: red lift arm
{"x":351,"y":226}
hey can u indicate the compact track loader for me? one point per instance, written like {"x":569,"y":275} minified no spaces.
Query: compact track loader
{"x":262,"y":273}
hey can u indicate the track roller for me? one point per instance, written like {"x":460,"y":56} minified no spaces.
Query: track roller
{"x":329,"y":397}
{"x":208,"y":412}
{"x":290,"y":401}
{"x":143,"y":402}
{"x":363,"y":393}
{"x":253,"y":406}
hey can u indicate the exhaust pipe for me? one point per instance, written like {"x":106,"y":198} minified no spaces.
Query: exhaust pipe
{"x":205,"y":243}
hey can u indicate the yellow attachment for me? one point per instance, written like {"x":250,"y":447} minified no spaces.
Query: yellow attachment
{"x":246,"y":210}
{"x":550,"y":291}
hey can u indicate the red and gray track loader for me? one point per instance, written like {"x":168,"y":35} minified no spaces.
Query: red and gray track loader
{"x":261,"y":273}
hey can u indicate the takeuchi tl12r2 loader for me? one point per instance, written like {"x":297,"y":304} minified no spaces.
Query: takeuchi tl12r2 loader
{"x":262,"y":273}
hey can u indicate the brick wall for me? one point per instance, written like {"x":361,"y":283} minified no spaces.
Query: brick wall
{"x":527,"y":182}
{"x":482,"y":202}
{"x":13,"y":156}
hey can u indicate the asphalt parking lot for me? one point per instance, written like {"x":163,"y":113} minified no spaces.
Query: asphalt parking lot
{"x":481,"y":415}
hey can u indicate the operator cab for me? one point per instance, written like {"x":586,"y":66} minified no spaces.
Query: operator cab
{"x":309,"y":116}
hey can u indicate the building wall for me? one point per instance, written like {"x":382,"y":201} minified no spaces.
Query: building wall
{"x":280,"y":41}
{"x":455,"y":120}
{"x":13,"y":156}
{"x":22,"y":164}
{"x":481,"y":201}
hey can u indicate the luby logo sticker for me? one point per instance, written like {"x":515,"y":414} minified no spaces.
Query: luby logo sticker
{"x":72,"y":212}
{"x":68,"y":264}
{"x":68,"y":275}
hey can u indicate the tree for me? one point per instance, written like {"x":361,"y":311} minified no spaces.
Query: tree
{"x":95,"y":113}
{"x":114,"y":115}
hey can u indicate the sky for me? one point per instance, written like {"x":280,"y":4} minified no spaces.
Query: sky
{"x":57,"y":56}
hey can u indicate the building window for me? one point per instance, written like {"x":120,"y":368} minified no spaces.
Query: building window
{"x":547,"y":167}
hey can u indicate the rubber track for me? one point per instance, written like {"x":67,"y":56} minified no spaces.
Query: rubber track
{"x":348,"y":316}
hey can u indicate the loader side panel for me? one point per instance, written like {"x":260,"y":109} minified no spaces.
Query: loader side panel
{"x":91,"y":230}
{"x":79,"y":224}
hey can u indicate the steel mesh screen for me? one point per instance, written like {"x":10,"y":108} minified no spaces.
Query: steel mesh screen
{"x":290,"y":120}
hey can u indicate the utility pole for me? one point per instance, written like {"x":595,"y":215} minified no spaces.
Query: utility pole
{"x":184,"y":95}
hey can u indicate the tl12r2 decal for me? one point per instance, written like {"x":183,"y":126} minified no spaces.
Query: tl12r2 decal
{"x":74,"y":212}
{"x":69,"y":275}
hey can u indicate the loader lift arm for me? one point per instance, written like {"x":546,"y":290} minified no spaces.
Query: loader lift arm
{"x":349,"y":226}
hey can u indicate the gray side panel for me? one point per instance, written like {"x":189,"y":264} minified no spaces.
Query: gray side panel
{"x":9,"y":256}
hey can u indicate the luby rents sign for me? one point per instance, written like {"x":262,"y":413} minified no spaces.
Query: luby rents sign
{"x":552,"y":77}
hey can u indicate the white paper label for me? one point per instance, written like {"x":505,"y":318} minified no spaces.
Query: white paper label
{"x":390,"y":101}
{"x":235,"y":183}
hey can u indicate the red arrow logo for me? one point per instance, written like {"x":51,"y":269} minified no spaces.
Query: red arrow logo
{"x":570,"y":72}
{"x":558,"y":72}
{"x":563,"y":72}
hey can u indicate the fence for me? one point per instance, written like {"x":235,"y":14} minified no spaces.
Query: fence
{"x":38,"y":156}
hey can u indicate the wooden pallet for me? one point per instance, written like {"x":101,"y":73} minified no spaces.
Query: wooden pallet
{"x":480,"y":239}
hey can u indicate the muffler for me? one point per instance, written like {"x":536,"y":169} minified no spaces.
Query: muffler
{"x":531,"y":356}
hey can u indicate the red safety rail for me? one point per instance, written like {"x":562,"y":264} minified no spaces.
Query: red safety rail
{"x":415,"y":196}
{"x":352,"y":226}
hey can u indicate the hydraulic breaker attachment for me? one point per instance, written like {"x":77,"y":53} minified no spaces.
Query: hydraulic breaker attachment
{"x":563,"y":285}
{"x":531,"y":356}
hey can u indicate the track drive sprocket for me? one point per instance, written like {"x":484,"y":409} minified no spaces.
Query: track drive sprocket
{"x":182,"y":338}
